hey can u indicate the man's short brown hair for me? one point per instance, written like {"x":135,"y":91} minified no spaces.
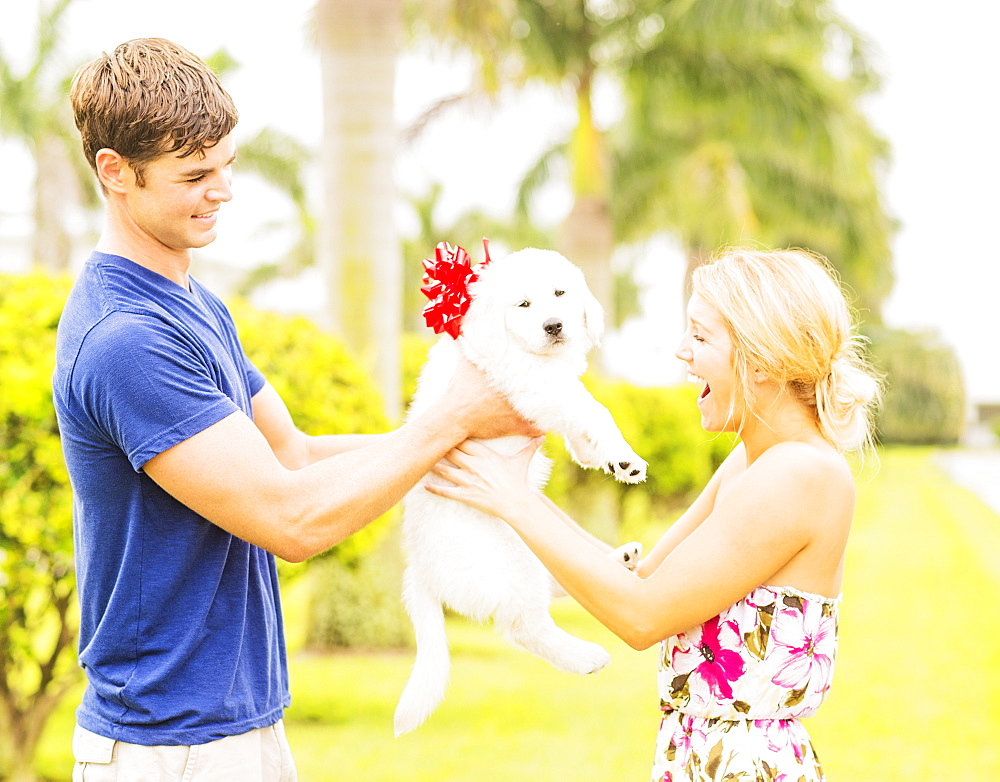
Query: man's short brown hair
{"x":149,"y":98}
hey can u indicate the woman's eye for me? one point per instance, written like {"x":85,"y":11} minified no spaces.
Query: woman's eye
{"x":560,"y":293}
{"x":524,"y":303}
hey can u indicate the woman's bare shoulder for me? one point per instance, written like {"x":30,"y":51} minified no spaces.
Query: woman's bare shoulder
{"x":813,"y":474}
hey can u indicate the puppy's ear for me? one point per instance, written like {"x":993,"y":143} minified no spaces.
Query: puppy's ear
{"x":483,"y":329}
{"x":593,"y":317}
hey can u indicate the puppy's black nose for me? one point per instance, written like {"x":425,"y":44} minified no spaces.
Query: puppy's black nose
{"x":552,"y":326}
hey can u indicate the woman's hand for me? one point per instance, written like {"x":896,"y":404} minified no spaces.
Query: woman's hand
{"x":486,"y":480}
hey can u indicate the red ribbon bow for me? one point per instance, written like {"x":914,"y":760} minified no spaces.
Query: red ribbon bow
{"x":446,"y":284}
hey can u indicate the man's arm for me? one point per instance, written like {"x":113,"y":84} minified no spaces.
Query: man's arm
{"x":232,"y":475}
{"x":292,"y":447}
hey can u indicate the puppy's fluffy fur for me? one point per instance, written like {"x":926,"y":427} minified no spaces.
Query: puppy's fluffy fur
{"x":531,"y":322}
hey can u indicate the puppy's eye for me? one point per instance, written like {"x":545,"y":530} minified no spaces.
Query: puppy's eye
{"x":524,"y":303}
{"x":559,"y":293}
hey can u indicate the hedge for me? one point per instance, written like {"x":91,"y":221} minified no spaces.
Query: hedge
{"x":925,"y":399}
{"x":326,"y":392}
{"x":38,"y":617}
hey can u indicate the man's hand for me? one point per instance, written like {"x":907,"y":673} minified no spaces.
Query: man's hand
{"x":483,"y":411}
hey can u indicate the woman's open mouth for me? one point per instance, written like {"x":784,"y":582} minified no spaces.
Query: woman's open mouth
{"x":704,"y":391}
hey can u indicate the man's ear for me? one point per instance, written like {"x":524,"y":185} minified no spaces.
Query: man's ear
{"x":113,"y":170}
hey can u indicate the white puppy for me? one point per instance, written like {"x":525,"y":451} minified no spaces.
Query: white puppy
{"x":529,"y":326}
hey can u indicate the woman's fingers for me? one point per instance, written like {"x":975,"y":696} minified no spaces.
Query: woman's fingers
{"x":533,"y":445}
{"x":445,"y":469}
{"x":477,"y":474}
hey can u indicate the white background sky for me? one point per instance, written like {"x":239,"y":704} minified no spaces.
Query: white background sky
{"x":939,"y":108}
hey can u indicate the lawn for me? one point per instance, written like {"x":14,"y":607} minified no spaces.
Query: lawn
{"x":916,"y":696}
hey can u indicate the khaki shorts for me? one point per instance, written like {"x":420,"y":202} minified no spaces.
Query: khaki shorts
{"x":258,"y":756}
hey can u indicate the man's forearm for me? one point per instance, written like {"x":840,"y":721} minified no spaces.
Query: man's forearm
{"x":319,"y":447}
{"x":336,"y":496}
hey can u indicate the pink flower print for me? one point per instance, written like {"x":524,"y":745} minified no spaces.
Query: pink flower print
{"x":802,"y":641}
{"x":777,"y":732}
{"x":744,"y":614}
{"x":704,"y":654}
{"x":762,"y":596}
{"x":781,"y":735}
{"x":688,"y":737}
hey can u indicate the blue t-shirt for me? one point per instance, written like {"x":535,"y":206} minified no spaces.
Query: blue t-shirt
{"x":181,"y":633}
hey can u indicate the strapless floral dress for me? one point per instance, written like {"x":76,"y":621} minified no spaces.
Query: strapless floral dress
{"x":733,"y":690}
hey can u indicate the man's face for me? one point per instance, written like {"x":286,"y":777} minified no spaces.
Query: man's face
{"x":177,"y":205}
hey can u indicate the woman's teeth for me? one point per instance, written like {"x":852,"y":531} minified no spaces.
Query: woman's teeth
{"x":695,"y":379}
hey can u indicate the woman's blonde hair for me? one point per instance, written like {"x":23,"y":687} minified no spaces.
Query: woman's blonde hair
{"x":788,"y":317}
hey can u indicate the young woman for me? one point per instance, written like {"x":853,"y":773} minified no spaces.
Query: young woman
{"x":743,"y":590}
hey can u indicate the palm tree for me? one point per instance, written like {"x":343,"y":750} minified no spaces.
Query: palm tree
{"x":733,"y":144}
{"x":358,"y":246}
{"x":520,"y":41}
{"x":726,"y":100}
{"x":281,"y":161}
{"x":34,"y":111}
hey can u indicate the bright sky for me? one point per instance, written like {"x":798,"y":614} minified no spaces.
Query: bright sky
{"x":938,"y":109}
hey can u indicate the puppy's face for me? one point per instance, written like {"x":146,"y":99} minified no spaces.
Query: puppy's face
{"x":539,"y":301}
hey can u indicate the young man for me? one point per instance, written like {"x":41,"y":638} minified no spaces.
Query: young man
{"x":188,"y":473}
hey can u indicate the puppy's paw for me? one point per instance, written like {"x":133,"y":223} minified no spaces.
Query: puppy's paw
{"x":629,"y":469}
{"x":590,"y":658}
{"x":584,"y":453}
{"x":628,"y":555}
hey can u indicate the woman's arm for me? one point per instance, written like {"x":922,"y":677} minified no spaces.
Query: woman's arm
{"x":695,"y":514}
{"x":759,"y":524}
{"x":691,"y":518}
{"x":560,"y":514}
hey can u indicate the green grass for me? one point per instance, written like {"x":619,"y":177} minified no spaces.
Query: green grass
{"x":916,"y":696}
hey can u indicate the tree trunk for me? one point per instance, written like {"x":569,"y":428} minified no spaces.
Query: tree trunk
{"x":21,"y":731}
{"x":588,"y":236}
{"x":56,"y":194}
{"x":358,"y":246}
{"x":24,"y":714}
{"x":587,"y":239}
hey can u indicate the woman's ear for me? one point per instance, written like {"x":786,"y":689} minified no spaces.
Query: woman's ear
{"x":112,"y":170}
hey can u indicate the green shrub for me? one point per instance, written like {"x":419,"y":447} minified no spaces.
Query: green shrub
{"x":415,"y":348}
{"x":323,"y":387}
{"x":663,"y":426}
{"x":924,"y":401}
{"x":359,"y":605}
{"x":355,"y":602}
{"x":354,"y":589}
{"x":38,"y":617}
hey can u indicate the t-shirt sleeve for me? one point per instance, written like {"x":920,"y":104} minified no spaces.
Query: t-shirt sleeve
{"x":256,"y":378}
{"x":147,"y":388}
